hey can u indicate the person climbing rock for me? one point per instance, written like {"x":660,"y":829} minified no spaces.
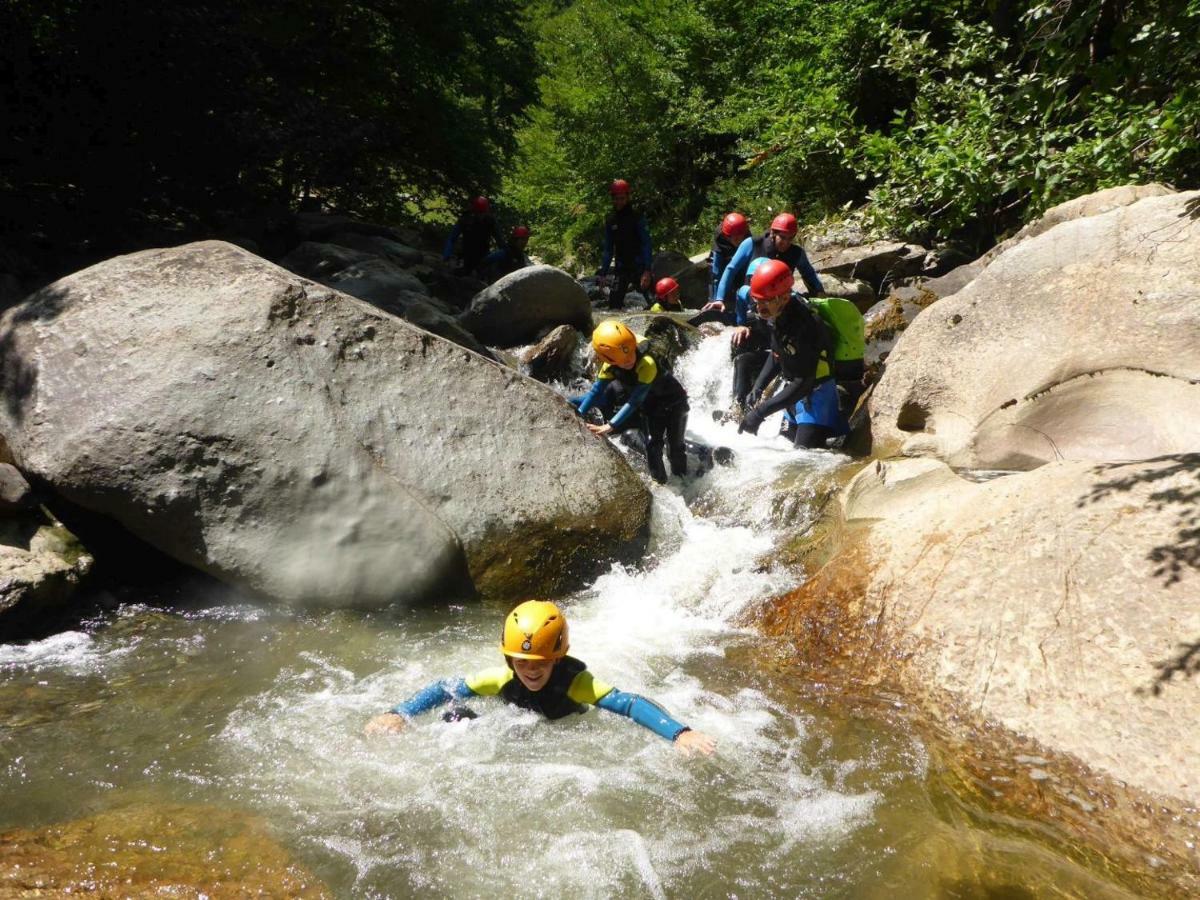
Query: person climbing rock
{"x":652,"y":398}
{"x":801,"y":353}
{"x":667,"y":299}
{"x":846,"y":324}
{"x":538,"y":675}
{"x":779,"y":242}
{"x":508,"y":258}
{"x":748,"y":347}
{"x":627,"y":248}
{"x":478,"y":229}
{"x":728,"y":237}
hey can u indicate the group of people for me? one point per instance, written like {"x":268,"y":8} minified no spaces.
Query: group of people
{"x":477,"y":228}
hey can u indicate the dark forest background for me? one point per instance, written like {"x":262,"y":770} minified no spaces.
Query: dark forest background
{"x":137,"y":124}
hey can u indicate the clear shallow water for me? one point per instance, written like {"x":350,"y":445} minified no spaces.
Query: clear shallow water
{"x":222,"y":702}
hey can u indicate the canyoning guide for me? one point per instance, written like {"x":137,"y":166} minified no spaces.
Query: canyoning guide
{"x":801,"y":353}
{"x":730,"y":234}
{"x":626,"y":248}
{"x":538,"y":675}
{"x":478,"y":229}
{"x":653,"y":399}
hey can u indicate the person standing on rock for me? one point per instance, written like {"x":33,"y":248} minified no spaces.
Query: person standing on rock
{"x":801,"y":353}
{"x":729,"y":236}
{"x":477,"y":228}
{"x":779,"y":242}
{"x":510,"y":257}
{"x":627,"y":249}
{"x":653,"y":399}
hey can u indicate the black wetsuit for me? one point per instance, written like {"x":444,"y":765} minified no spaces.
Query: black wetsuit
{"x":627,"y":248}
{"x":477,"y":230}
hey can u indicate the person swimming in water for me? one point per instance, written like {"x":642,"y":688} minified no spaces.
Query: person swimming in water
{"x":540,"y":676}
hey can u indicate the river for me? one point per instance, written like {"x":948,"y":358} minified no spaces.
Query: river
{"x":207,"y":698}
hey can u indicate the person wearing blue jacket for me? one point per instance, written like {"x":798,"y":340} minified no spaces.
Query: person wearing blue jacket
{"x":778,"y":243}
{"x":538,"y":675}
{"x":627,"y":249}
{"x":728,"y":237}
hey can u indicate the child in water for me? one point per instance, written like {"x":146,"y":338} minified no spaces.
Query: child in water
{"x":540,"y":676}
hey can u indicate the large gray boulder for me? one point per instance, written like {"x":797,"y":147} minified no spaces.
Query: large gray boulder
{"x":1082,"y":342}
{"x":692,"y":277}
{"x":377,"y":281}
{"x":523,"y":306}
{"x":377,"y":245}
{"x":435,"y":320}
{"x":315,"y":260}
{"x":878,"y":263}
{"x":299,"y":442}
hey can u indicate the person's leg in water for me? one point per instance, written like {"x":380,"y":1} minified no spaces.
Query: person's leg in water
{"x":655,"y":429}
{"x":817,"y":417}
{"x":676,"y":445}
{"x":622,"y":281}
{"x":746,"y":366}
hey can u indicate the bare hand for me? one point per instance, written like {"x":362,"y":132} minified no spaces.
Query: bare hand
{"x":647,"y":276}
{"x":599,"y":430}
{"x":718,"y":305}
{"x":690,"y":743}
{"x":739,"y":335}
{"x":388,"y":723}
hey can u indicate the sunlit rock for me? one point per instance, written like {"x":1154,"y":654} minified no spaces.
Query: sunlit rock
{"x":523,"y":305}
{"x":1080,"y":343}
{"x":301,"y":443}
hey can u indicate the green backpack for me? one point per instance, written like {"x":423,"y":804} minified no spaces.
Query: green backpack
{"x":846,"y":324}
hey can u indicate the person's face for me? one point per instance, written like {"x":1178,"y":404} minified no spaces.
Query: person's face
{"x":782,"y":239}
{"x":520,"y":242}
{"x":672,"y":299}
{"x":619,"y":201}
{"x":533,"y":673}
{"x":769,"y":309}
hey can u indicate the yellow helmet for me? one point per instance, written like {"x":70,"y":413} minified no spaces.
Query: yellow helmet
{"x":536,"y":629}
{"x":615,"y":343}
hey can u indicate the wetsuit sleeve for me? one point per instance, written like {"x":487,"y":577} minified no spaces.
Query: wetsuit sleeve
{"x":448,"y":250}
{"x":437,"y":694}
{"x":606,"y":254}
{"x":765,"y":374}
{"x":735,"y":272}
{"x":589,"y":399}
{"x":791,"y":393}
{"x":742,"y":316}
{"x":647,"y":249}
{"x":647,"y":371}
{"x":489,"y":682}
{"x":587,"y":688}
{"x":716,"y":267}
{"x":645,"y":712}
{"x":809,"y":274}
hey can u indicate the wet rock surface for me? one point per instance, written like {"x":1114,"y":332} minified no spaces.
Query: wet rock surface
{"x":152,"y":851}
{"x":281,"y":436}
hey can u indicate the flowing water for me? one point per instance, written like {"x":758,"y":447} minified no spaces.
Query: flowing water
{"x":213,"y":700}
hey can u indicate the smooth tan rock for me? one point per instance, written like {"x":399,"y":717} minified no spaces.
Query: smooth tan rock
{"x":1082,"y":342}
{"x":1063,"y":604}
{"x":41,"y":564}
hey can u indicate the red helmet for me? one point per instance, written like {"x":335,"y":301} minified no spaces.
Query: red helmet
{"x":520,"y":231}
{"x":734,"y":224}
{"x":771,"y":279}
{"x":481,"y":205}
{"x":620,"y":186}
{"x":665,"y":287}
{"x":786,"y":223}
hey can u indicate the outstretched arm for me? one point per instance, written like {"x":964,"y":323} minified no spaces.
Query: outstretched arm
{"x":429,"y":697}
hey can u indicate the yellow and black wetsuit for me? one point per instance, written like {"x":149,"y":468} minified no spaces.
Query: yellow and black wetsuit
{"x":571,"y":689}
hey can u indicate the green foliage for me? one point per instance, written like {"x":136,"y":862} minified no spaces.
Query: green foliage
{"x":190,"y":112}
{"x":941,"y":118}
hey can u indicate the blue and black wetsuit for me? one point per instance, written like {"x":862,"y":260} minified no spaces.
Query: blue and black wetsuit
{"x":627,"y":249}
{"x":653,"y":400}
{"x":477,"y":231}
{"x":570,"y":689}
{"x":802,"y":353}
{"x":752,"y":248}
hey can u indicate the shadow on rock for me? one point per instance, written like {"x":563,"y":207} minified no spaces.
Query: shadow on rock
{"x":18,"y":375}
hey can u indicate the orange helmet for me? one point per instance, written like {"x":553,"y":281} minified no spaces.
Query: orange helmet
{"x":772,"y":279}
{"x":536,"y":629}
{"x":620,"y":186}
{"x":615,"y":343}
{"x":520,"y":231}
